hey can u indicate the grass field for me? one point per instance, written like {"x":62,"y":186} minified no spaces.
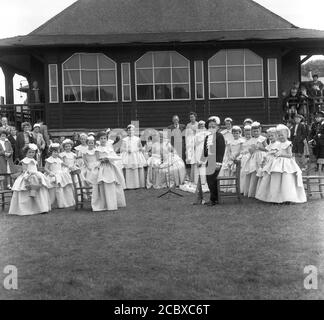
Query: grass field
{"x":166,"y":249}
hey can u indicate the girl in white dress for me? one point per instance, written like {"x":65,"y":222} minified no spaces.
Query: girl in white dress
{"x":80,"y":150}
{"x":69,"y":157}
{"x":30,"y":190}
{"x":154,"y":161}
{"x":282,"y":179}
{"x":233,"y":152}
{"x":108,"y":189}
{"x":60,"y":181}
{"x":251,"y":168}
{"x":133,"y":160}
{"x":91,"y":162}
{"x":245,"y":154}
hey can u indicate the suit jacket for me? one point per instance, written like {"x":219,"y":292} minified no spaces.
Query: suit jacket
{"x":216,"y":154}
{"x":20,"y":144}
{"x":179,"y":147}
{"x":31,"y":96}
{"x":298,"y":139}
{"x":12,"y":140}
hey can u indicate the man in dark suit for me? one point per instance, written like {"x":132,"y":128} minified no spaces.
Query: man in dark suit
{"x":214,"y":150}
{"x":177,"y":137}
{"x":23,"y":139}
{"x":298,"y":135}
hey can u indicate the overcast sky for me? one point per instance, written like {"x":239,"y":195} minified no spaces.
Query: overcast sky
{"x":19,"y":17}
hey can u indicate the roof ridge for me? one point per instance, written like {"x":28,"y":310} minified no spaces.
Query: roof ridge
{"x":270,"y":11}
{"x":42,"y":26}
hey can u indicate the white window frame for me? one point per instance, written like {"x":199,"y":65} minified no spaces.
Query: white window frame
{"x":202,"y":83}
{"x":171,"y":84}
{"x":271,"y":80}
{"x":50,"y":85}
{"x":244,"y":81}
{"x":126,"y":84}
{"x":80,"y":69}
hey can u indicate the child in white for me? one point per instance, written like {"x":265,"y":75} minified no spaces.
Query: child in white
{"x":233,"y":152}
{"x":60,"y":181}
{"x":253,"y":164}
{"x":30,"y":194}
{"x":282,"y":178}
{"x":108,"y":189}
{"x":133,"y":160}
{"x":248,"y":141}
{"x":154,"y":161}
{"x":91,"y":162}
{"x":69,"y":157}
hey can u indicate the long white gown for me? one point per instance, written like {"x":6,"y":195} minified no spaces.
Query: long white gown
{"x":108,"y":189}
{"x":282,"y":179}
{"x":24,"y":202}
{"x":60,"y":186}
{"x":133,"y":161}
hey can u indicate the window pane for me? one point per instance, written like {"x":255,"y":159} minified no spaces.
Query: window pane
{"x":145,"y":61}
{"x":218,"y":74}
{"x":219,"y":59}
{"x":107,"y":77}
{"x":235,"y":57}
{"x":89,"y":61}
{"x":162,"y":92}
{"x":54,"y":97}
{"x":199,"y":71}
{"x":236,"y":90}
{"x":71,"y":77}
{"x":180,"y":75}
{"x":145,"y":92}
{"x":162,"y":59}
{"x":89,"y":77}
{"x":126,"y":93}
{"x":162,"y":75}
{"x":72,"y":63}
{"x":218,"y":90}
{"x":90,"y":93}
{"x":272,"y":69}
{"x":254,"y":89}
{"x":108,"y":93}
{"x":253,"y":73}
{"x":105,"y":62}
{"x":199,"y":91}
{"x":125,"y":72}
{"x":235,"y":73}
{"x":53,"y":75}
{"x":179,"y":61}
{"x":144,"y":76}
{"x":72,"y":94}
{"x":273,"y":89}
{"x":181,"y":91}
{"x":252,"y":58}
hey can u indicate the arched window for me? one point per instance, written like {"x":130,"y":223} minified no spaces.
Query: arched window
{"x":235,"y":74}
{"x":89,"y":77}
{"x":162,"y":75}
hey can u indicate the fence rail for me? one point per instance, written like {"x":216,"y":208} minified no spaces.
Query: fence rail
{"x":19,"y":113}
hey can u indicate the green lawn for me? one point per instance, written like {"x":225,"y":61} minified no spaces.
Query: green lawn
{"x":166,"y":249}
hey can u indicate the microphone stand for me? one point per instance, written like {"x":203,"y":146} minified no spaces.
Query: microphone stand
{"x":170,"y":189}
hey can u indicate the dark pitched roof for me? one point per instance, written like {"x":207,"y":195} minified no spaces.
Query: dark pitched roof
{"x":102,"y":17}
{"x":173,"y":37}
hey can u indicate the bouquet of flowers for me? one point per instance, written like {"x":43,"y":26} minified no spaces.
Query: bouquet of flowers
{"x":33,"y":183}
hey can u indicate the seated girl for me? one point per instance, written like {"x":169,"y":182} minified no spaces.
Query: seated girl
{"x":30,"y":190}
{"x":60,"y":181}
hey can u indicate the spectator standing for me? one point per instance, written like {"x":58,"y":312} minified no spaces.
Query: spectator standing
{"x":24,"y":139}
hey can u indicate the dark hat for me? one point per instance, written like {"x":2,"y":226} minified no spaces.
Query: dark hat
{"x":315,"y":75}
